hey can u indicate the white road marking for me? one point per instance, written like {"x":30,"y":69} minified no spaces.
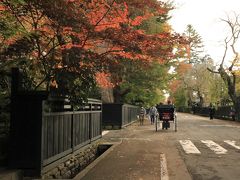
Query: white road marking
{"x":138,"y":139}
{"x":214,"y":147}
{"x":219,"y":125}
{"x":232,"y":143}
{"x":189,"y":147}
{"x":163,"y":167}
{"x":104,"y":132}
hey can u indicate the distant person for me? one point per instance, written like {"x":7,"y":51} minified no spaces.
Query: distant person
{"x":153,"y":112}
{"x":142,"y":115}
{"x":211,"y":111}
{"x":232,"y":113}
{"x":194,"y":108}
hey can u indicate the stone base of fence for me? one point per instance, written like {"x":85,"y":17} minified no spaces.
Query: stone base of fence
{"x":110,"y":127}
{"x":73,"y":165}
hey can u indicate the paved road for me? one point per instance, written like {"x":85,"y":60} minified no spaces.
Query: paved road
{"x":210,"y":148}
{"x":202,"y":149}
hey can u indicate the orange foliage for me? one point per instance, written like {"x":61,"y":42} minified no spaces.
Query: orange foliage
{"x":102,"y":18}
{"x":11,"y":40}
{"x":2,"y":8}
{"x":103,"y":80}
{"x":183,"y":67}
{"x":138,"y":20}
{"x":175,"y":85}
{"x":97,"y":28}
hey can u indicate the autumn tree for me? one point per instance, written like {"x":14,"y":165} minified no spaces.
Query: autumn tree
{"x":191,"y":87}
{"x":192,"y":80}
{"x":228,"y":68}
{"x":178,"y":87}
{"x":156,"y":52}
{"x":74,"y":41}
{"x":205,"y":91}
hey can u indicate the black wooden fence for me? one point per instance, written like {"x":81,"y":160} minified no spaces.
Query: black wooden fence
{"x":221,"y":112}
{"x":39,"y":137}
{"x":65,"y":132}
{"x":119,"y":115}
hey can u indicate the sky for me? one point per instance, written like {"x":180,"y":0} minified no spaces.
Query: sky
{"x":204,"y":16}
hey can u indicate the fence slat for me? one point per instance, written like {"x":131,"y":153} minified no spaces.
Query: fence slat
{"x":60,"y":138}
{"x":55,"y":135}
{"x":45,"y":139}
{"x":50,"y":137}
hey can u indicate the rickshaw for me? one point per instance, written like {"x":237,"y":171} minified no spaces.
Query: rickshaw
{"x":167,"y":114}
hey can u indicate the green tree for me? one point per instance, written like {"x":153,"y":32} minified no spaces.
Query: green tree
{"x":195,"y":45}
{"x":146,"y":84}
{"x":193,"y":85}
{"x":127,"y":79}
{"x":203,"y":90}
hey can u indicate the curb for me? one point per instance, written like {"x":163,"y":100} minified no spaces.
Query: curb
{"x":96,"y":161}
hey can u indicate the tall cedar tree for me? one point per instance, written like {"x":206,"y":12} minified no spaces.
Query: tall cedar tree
{"x":195,"y":45}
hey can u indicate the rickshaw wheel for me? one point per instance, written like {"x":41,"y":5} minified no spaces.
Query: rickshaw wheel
{"x":156,"y":125}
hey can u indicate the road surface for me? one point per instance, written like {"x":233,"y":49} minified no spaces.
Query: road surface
{"x":201,"y":149}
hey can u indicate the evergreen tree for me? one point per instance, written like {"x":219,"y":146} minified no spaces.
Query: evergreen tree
{"x":195,"y":46}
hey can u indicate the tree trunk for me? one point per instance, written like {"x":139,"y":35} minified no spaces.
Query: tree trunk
{"x":231,"y":91}
{"x":107,"y":95}
{"x":201,"y":100}
{"x":236,"y":104}
{"x":119,"y":95}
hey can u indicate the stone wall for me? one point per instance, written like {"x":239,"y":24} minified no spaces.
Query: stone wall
{"x":76,"y":162}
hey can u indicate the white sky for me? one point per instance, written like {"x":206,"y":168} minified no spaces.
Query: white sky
{"x":204,"y":16}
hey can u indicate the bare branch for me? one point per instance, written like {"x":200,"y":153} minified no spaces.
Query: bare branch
{"x":11,"y":8}
{"x":235,"y":34}
{"x":212,"y":71}
{"x":104,"y":15}
{"x":110,"y":51}
{"x":225,"y":51}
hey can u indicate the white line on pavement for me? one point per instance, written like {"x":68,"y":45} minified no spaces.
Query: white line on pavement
{"x":219,"y":125}
{"x":104,"y":133}
{"x":189,"y":147}
{"x":214,"y":147}
{"x":232,"y":143}
{"x":163,"y":167}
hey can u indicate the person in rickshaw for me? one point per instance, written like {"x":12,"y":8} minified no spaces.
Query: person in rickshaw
{"x":166,"y":124}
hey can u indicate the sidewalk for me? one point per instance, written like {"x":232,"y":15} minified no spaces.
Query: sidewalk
{"x":10,"y":174}
{"x":138,"y":153}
